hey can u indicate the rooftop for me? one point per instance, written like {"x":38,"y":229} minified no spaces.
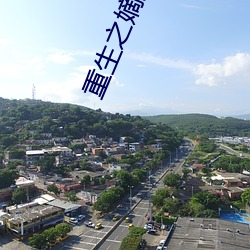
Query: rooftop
{"x":201,"y":233}
{"x":67,"y":206}
{"x":29,"y":212}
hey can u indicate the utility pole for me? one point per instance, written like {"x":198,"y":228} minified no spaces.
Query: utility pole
{"x":130,"y":194}
{"x":149,"y":204}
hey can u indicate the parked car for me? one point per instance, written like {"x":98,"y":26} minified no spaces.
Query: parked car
{"x":64,"y":237}
{"x":130,"y":226}
{"x":89,"y":224}
{"x":73,"y":220}
{"x":98,"y":226}
{"x":151,"y":231}
{"x":81,"y":217}
{"x":148,"y":226}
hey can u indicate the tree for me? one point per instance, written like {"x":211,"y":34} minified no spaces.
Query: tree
{"x":102,"y":180}
{"x":7,"y":177}
{"x":206,"y":171}
{"x":160,"y":195}
{"x":54,"y":189}
{"x":19,"y":195}
{"x":47,"y":163}
{"x":126,"y":179}
{"x":108,"y":199}
{"x":51,"y":234}
{"x":207,"y":199}
{"x":170,"y":205}
{"x":84,"y":164}
{"x":245,"y":197}
{"x":186,"y":171}
{"x":140,"y":174}
{"x":172,"y":180}
{"x":63,"y":228}
{"x":71,"y":195}
{"x":85,"y":180}
{"x":38,"y":241}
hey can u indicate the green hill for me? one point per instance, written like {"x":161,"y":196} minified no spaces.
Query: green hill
{"x":23,"y":120}
{"x":208,"y":125}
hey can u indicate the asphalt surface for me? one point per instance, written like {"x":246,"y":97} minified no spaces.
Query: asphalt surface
{"x":84,"y":238}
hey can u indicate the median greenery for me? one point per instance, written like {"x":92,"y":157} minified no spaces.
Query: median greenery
{"x":133,"y":240}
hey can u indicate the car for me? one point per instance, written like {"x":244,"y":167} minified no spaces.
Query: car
{"x":116,"y":217}
{"x":127,"y":220}
{"x":98,"y":226}
{"x":162,"y":243}
{"x":73,"y":220}
{"x":148,"y":226}
{"x":64,"y":237}
{"x":89,"y":224}
{"x":130,"y":225}
{"x":152,"y":231}
{"x":81,"y":217}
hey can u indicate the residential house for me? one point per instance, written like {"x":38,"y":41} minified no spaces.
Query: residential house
{"x":118,"y":167}
{"x":234,"y":192}
{"x":96,"y":151}
{"x":67,"y":184}
{"x":135,"y":147}
{"x":60,"y":141}
{"x":32,"y":156}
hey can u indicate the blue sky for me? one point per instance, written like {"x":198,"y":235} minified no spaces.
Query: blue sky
{"x":182,"y":56}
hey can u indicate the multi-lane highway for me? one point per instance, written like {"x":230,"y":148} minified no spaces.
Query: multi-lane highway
{"x":115,"y":231}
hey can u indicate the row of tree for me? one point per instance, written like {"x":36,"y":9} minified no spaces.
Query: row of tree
{"x":49,"y":236}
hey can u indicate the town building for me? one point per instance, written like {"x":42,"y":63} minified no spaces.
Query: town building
{"x":26,"y":219}
{"x":206,"y":233}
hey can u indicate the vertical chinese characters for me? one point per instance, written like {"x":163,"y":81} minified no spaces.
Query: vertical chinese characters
{"x":97,"y":83}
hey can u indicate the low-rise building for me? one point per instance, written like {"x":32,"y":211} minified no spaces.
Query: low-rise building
{"x":118,"y":167}
{"x":67,"y":184}
{"x":26,"y":219}
{"x":206,"y":233}
{"x":32,"y":156}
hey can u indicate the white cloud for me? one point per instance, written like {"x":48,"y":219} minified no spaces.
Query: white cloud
{"x":116,"y":82}
{"x":19,"y":70}
{"x":166,"y":62}
{"x":232,"y":67}
{"x":61,"y":57}
{"x":85,"y":68}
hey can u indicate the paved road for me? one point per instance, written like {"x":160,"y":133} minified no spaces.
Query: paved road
{"x":231,"y":151}
{"x":89,"y":238}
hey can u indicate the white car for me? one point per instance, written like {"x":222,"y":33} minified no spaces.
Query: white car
{"x":89,"y":224}
{"x":81,"y":217}
{"x":73,"y":220}
{"x":148,"y":226}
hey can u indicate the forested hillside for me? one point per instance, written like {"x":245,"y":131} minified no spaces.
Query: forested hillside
{"x":208,"y":125}
{"x":22,"y":120}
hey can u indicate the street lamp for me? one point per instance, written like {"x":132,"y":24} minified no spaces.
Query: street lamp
{"x":130,"y":194}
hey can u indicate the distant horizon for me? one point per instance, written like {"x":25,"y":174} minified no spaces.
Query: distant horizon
{"x":134,"y":113}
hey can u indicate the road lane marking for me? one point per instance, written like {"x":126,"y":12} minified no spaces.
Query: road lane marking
{"x":116,"y":241}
